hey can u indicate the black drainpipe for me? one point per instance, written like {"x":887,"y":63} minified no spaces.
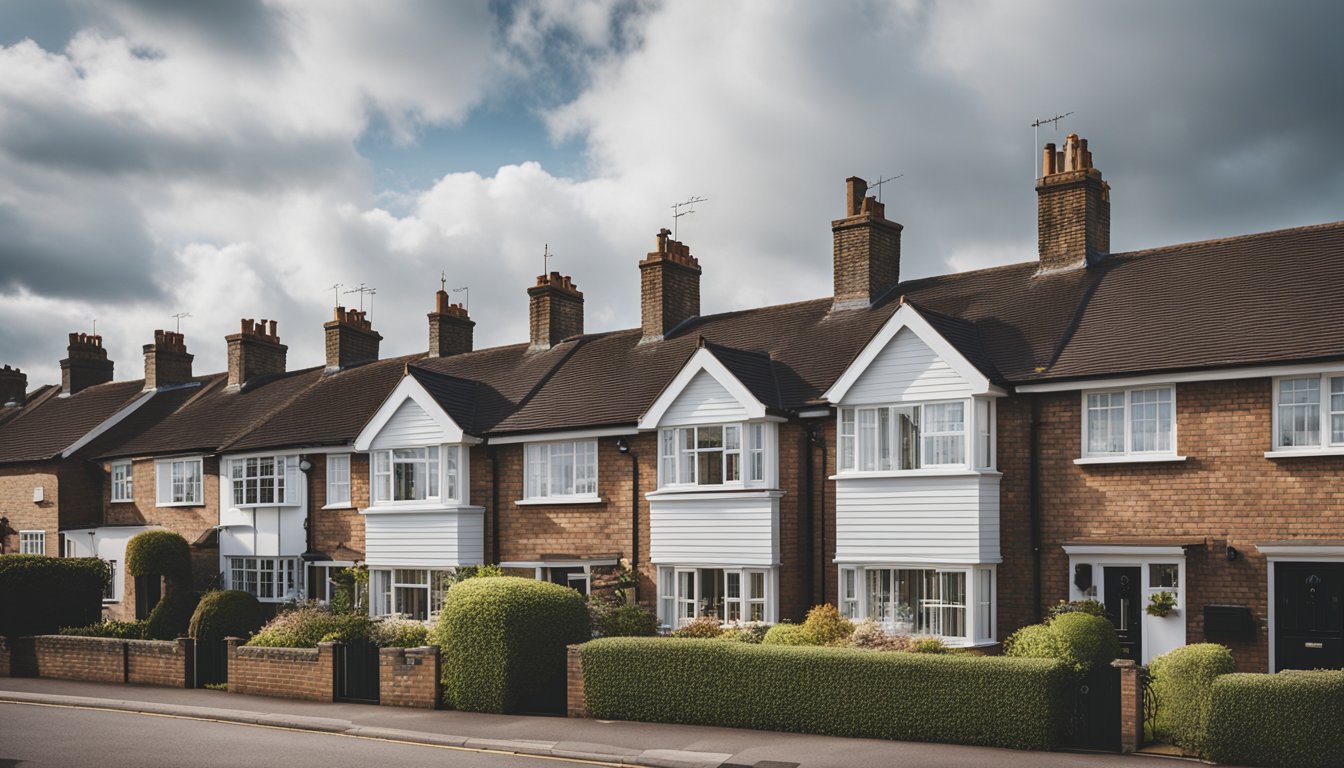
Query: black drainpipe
{"x":494,"y":503}
{"x":819,"y":438}
{"x":808,"y":528}
{"x":1036,"y":505}
{"x":634,"y":511}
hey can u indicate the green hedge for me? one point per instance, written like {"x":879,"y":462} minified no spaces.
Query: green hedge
{"x":504,"y":638}
{"x":121,"y":630}
{"x":1183,"y":681}
{"x":159,"y":553}
{"x":39,"y":595}
{"x":226,"y":613}
{"x":172,"y":615}
{"x":956,"y":699}
{"x":306,"y":626}
{"x":1291,"y":719}
{"x":1079,"y":639}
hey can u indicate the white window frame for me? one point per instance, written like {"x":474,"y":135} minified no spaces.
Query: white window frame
{"x":123,"y":482}
{"x":851,"y":458}
{"x":385,"y":585}
{"x":193,"y":488}
{"x":853,"y":595}
{"x":269,"y":579}
{"x":678,"y":467}
{"x":1127,"y":421}
{"x":1326,"y":412}
{"x":753,"y":601}
{"x":443,"y":474}
{"x":110,"y":591}
{"x":239,"y":479}
{"x":540,"y":469}
{"x":32,"y":542}
{"x":338,"y":482}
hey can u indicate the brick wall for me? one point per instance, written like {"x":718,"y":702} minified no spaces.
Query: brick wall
{"x":16,"y":503}
{"x":555,"y":310}
{"x":575,"y":703}
{"x":866,"y":256}
{"x":192,"y":522}
{"x":409,"y":677}
{"x":105,"y":660}
{"x":333,"y":529}
{"x":289,"y":673}
{"x":1073,"y":217}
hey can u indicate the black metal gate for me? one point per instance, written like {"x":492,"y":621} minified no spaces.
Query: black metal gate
{"x":1094,"y":722}
{"x":357,"y":672}
{"x":210,"y":662}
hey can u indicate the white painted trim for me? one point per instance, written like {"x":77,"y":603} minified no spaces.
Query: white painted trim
{"x":953,"y":471}
{"x":1135,"y":550}
{"x":427,"y":508}
{"x":700,"y":491}
{"x":1133,"y":458}
{"x":557,"y":563}
{"x":542,"y":501}
{"x":1303,"y":453}
{"x":337,"y":506}
{"x":108,"y":423}
{"x":702,"y":360}
{"x":409,"y":388}
{"x":571,"y":434}
{"x":1211,"y":374}
{"x":815,"y":413}
{"x":1290,"y":552}
{"x":908,"y":317}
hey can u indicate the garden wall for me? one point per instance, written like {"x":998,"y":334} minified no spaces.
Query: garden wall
{"x":101,"y":660}
{"x":289,"y":673}
{"x":409,"y":677}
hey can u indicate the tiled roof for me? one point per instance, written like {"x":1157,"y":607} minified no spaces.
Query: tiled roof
{"x":505,"y":377}
{"x":49,"y":424}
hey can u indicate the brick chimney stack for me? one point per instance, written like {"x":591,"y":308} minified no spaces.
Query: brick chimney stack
{"x":351,"y":340}
{"x":867,"y":249}
{"x":86,"y":364}
{"x":1073,"y":213}
{"x":167,"y":361}
{"x":13,"y":387}
{"x":669,"y":287}
{"x":254,"y":351}
{"x":556,"y":310}
{"x":450,"y":328}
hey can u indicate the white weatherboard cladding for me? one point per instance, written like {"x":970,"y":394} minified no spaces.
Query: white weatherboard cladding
{"x":937,"y":519}
{"x":703,"y":529}
{"x":410,"y":426}
{"x":703,"y":401}
{"x":425,"y":539}
{"x":907,"y":370}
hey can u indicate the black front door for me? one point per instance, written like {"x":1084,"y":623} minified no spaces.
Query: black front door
{"x":1124,"y":606}
{"x":1308,"y":615}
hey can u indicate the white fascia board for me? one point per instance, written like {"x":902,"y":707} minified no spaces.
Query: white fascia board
{"x":108,"y":423}
{"x":1123,"y":549}
{"x":409,"y":388}
{"x":1210,"y":374}
{"x":908,"y":317}
{"x":570,"y":434}
{"x":1283,"y":550}
{"x":702,"y":360}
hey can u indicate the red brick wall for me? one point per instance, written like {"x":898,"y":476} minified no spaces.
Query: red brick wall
{"x":108,"y":660}
{"x":190,"y":521}
{"x":289,"y":673}
{"x":576,"y":704}
{"x":159,"y":662}
{"x":332,"y":529}
{"x":409,"y":677}
{"x":16,"y":503}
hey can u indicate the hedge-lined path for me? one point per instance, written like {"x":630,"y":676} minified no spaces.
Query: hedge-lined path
{"x":673,"y":746}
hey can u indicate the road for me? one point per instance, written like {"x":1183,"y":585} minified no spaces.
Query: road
{"x":34,"y":736}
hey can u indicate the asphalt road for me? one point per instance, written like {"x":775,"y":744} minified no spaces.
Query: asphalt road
{"x":65,"y":737}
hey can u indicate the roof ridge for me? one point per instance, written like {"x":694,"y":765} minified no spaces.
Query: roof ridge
{"x":1227,"y":240}
{"x":262,"y":419}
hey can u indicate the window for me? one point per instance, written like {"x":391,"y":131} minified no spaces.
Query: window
{"x":726,"y":594}
{"x":1134,"y":421}
{"x":110,"y":591}
{"x":122,"y":489}
{"x":338,"y":480}
{"x":179,"y":482}
{"x":886,"y":438}
{"x":984,"y":434}
{"x":1309,"y":412}
{"x":412,"y":474}
{"x":984,"y":604}
{"x":415,"y":593}
{"x":32,"y":542}
{"x":714,"y":454}
{"x":918,"y":601}
{"x":1164,"y":576}
{"x":258,"y":481}
{"x":266,"y":578}
{"x":561,"y":470}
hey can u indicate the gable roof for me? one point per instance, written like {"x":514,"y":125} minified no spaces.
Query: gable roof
{"x":49,"y":424}
{"x":731,"y":369}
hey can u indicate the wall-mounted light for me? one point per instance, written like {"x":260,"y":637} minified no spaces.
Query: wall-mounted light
{"x":622,"y":445}
{"x":305,"y":466}
{"x":1231,"y":553}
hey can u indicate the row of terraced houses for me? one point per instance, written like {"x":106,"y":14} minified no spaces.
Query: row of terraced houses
{"x":948,"y":455}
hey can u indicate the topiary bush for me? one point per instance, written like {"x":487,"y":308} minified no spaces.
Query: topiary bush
{"x":701,"y":628}
{"x":121,"y":630}
{"x":1090,"y":607}
{"x":1034,"y":641}
{"x":39,"y":595}
{"x":505,"y":638}
{"x":787,"y":634}
{"x":1183,"y":680}
{"x":826,"y":626}
{"x":990,"y":701}
{"x":1290,"y":719}
{"x":1079,"y":639}
{"x":307,"y":625}
{"x":225,"y":613}
{"x":171,"y":615}
{"x":159,"y":553}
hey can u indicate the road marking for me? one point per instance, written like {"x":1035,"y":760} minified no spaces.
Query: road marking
{"x":481,"y":750}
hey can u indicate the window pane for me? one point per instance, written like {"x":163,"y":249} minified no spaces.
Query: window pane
{"x":1106,"y":422}
{"x":1164,"y":576}
{"x":687,"y":456}
{"x":1337,"y":410}
{"x":944,"y":434}
{"x":884,"y":439}
{"x":1299,"y":412}
{"x":907,"y":437}
{"x":1150,"y":420}
{"x":984,"y":588}
{"x":867,"y":439}
{"x":710,"y":467}
{"x":846,"y":438}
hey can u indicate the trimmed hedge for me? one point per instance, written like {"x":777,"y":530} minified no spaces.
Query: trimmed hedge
{"x":1183,"y":680}
{"x":787,"y":634}
{"x":504,"y":638}
{"x":121,"y":630}
{"x":159,"y":553}
{"x":226,"y":613}
{"x":1290,"y":719}
{"x":172,"y":615}
{"x":39,"y":595}
{"x":1079,"y":639}
{"x":955,"y":699}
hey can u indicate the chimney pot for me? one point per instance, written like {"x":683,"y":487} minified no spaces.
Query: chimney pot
{"x":350,"y":340}
{"x":13,"y":387}
{"x":1073,"y":208}
{"x":166,"y":360}
{"x":669,"y":288}
{"x":253,"y":352}
{"x":450,"y":329}
{"x":85,"y":365}
{"x":867,"y":249}
{"x":555,"y":310}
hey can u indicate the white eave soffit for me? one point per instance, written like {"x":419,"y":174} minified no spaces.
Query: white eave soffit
{"x":702,"y":360}
{"x":409,"y":389}
{"x":908,"y":317}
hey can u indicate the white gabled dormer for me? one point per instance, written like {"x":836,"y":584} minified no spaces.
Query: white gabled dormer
{"x":917,"y":494}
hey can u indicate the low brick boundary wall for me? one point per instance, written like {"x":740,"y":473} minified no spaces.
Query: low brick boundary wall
{"x":575,"y":706}
{"x":101,"y":660}
{"x":1131,"y":704}
{"x":409,"y":677}
{"x":289,"y":673}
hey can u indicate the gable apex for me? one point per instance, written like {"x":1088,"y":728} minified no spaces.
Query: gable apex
{"x":408,"y":400}
{"x":703,"y":363}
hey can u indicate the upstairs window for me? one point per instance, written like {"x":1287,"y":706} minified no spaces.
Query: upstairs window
{"x":414,"y":474}
{"x":122,"y":488}
{"x":179,"y":482}
{"x":1309,"y":412}
{"x":899,"y":437}
{"x":258,"y":481}
{"x":338,"y":480}
{"x":561,"y":470}
{"x":715,"y":455}
{"x":1132,"y":421}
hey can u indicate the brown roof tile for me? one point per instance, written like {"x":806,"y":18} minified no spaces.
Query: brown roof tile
{"x":49,"y":424}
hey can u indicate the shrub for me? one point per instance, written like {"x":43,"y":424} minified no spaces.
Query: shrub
{"x":39,"y":595}
{"x":614,"y":618}
{"x":159,"y":553}
{"x":505,"y":638}
{"x":351,"y":588}
{"x":399,"y":632}
{"x":1290,"y":719}
{"x":1183,"y":680}
{"x":787,"y":634}
{"x":745,"y":633}
{"x":1090,"y":607}
{"x":308,"y":625}
{"x":225,"y":613}
{"x":122,"y":630}
{"x":1077,"y":638}
{"x":869,"y":635}
{"x":826,"y":626}
{"x":701,"y":628}
{"x":836,"y":691}
{"x":927,"y":645}
{"x":171,"y":615}
{"x":1034,"y":641}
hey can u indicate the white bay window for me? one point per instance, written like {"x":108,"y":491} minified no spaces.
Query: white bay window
{"x":954,"y":603}
{"x":565,"y":470}
{"x":715,"y":455}
{"x":727,"y":594}
{"x":909,"y":436}
{"x":416,"y":474}
{"x":416,"y":593}
{"x":1130,"y":422}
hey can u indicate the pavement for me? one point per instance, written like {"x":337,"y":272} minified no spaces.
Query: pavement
{"x":658,"y":745}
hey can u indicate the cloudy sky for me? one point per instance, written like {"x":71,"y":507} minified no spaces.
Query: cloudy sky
{"x":237,"y":159}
